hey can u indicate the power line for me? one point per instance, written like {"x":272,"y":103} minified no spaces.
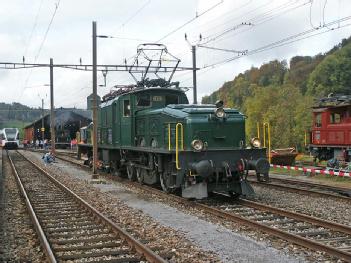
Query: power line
{"x":135,"y":14}
{"x":47,"y":31}
{"x":285,"y":41}
{"x":183,"y":25}
{"x":257,"y":20}
{"x":223,"y":49}
{"x":235,"y":18}
{"x":311,"y":23}
{"x":188,"y":22}
{"x":42,"y":43}
{"x":33,"y":28}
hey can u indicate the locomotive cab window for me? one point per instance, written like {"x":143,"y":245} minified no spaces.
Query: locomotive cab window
{"x":335,"y":117}
{"x":126,"y":108}
{"x":172,"y":99}
{"x":318,"y":120}
{"x":143,"y":100}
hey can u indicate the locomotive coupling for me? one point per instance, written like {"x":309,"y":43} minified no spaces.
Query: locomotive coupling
{"x":202,"y":168}
{"x":261,"y":165}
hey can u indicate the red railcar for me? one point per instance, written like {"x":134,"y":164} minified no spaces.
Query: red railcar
{"x":331,"y":131}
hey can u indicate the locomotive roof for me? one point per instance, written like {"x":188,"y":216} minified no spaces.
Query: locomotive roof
{"x":139,"y":90}
{"x":193,"y":108}
{"x":333,"y":101}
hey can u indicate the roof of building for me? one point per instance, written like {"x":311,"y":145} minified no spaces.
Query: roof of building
{"x":64,"y":115}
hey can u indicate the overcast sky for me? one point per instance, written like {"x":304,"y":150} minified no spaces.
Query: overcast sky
{"x":233,"y":25}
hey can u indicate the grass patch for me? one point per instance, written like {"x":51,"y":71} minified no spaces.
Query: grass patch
{"x":341,"y":181}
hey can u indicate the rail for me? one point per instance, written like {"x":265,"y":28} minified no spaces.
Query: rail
{"x":293,"y":238}
{"x":136,"y":245}
{"x":42,"y":237}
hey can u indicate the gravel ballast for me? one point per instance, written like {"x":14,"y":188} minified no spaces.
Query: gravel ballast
{"x":321,"y":207}
{"x":190,"y":239}
{"x":18,"y":240}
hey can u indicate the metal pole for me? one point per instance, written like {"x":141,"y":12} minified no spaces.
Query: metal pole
{"x":193,"y":49}
{"x":52,"y":112}
{"x":42,"y":122}
{"x":95,"y":152}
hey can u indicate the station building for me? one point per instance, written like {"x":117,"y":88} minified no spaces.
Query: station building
{"x":68,"y":121}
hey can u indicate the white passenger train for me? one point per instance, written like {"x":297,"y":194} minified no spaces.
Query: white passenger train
{"x":9,"y":138}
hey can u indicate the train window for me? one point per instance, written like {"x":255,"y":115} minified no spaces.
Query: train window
{"x":143,"y":100}
{"x":126,"y":108}
{"x":335,"y":117}
{"x":318,"y":120}
{"x":317,"y":135}
{"x":171,"y":99}
{"x":157,"y":98}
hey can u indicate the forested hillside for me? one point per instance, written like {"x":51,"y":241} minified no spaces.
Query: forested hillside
{"x":282,"y":94}
{"x":16,"y":114}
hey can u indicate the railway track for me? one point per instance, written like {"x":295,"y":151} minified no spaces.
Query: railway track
{"x":281,"y":183}
{"x":70,"y":230}
{"x":307,"y":231}
{"x":307,"y":188}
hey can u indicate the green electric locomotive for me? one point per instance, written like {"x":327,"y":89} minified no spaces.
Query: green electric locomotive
{"x":153,"y":135}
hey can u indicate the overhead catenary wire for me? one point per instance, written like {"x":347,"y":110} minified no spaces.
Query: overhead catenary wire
{"x":256,"y":20}
{"x":284,"y":41}
{"x":276,"y":44}
{"x":33,"y":29}
{"x":42,"y":43}
{"x":311,"y":23}
{"x":261,"y":19}
{"x":47,"y":31}
{"x":189,"y":21}
{"x":135,"y":13}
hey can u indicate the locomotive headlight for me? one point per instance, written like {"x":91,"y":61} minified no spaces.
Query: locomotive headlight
{"x":219,"y":112}
{"x":255,"y":142}
{"x":197,"y":145}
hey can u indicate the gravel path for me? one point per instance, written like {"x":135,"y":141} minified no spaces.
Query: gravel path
{"x":231,"y":247}
{"x":179,"y":230}
{"x":18,"y":240}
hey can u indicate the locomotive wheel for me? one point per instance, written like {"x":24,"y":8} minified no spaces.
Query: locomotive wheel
{"x":234,"y":195}
{"x":140,"y":174}
{"x":131,"y":172}
{"x":258,"y":176}
{"x":266,"y":178}
{"x":165,"y":180}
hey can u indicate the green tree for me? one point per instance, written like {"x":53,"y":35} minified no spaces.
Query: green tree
{"x":279,"y":106}
{"x":332,"y":75}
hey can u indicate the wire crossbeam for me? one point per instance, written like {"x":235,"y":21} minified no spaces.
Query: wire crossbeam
{"x":88,"y":67}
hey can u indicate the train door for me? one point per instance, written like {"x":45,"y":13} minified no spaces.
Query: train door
{"x":126,"y":121}
{"x":116,"y":116}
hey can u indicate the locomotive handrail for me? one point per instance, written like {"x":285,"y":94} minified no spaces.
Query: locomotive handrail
{"x":169,"y":136}
{"x":266,"y":124}
{"x":177,"y":142}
